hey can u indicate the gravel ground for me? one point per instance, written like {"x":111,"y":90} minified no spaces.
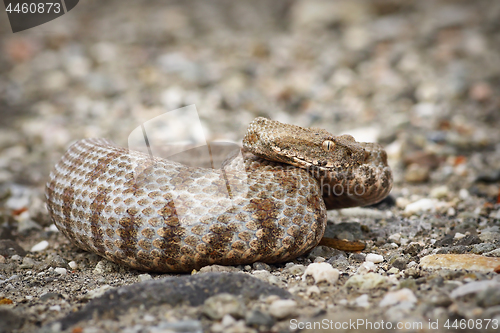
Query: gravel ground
{"x":420,"y":77}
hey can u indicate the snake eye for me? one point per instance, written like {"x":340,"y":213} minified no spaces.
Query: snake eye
{"x":328,"y":145}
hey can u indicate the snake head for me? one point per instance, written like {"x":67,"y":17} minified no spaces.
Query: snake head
{"x":302,"y":147}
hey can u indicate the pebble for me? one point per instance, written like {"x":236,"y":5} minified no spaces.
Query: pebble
{"x":488,"y":297}
{"x":375,"y":258}
{"x":296,"y":269}
{"x":440,"y":192}
{"x":322,"y":272}
{"x":261,"y":266}
{"x":9,"y":248}
{"x":470,"y":262}
{"x":40,"y":246}
{"x":404,"y":298}
{"x":144,"y":277}
{"x":256,"y":318}
{"x":422,"y":205}
{"x":362,"y":301}
{"x":474,"y":287}
{"x":98,"y":292}
{"x":393,"y":270}
{"x":220,"y":305}
{"x":493,"y":253}
{"x":283,"y":308}
{"x":61,"y":270}
{"x":366,"y":282}
{"x":73,"y":265}
{"x":366,"y":267}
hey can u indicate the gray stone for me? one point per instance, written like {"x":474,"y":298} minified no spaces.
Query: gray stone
{"x":220,"y":305}
{"x":193,"y":290}
{"x":256,"y":318}
{"x":10,"y":320}
{"x":8,"y":248}
{"x":261,"y":266}
{"x":488,"y":297}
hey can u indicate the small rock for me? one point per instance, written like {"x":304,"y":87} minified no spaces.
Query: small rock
{"x":396,"y":238}
{"x":412,"y":249}
{"x":493,"y":253}
{"x":366,"y":267}
{"x":459,"y":261}
{"x":98,"y":292}
{"x":261,"y":266}
{"x":358,"y":257}
{"x":474,"y":287}
{"x":322,"y":272}
{"x":366,"y":282}
{"x":10,"y":320}
{"x":313,"y":290}
{"x":28,"y":263}
{"x":405,"y":298}
{"x":40,"y":246}
{"x":375,"y":258}
{"x":362,"y":301}
{"x":48,"y":296}
{"x":256,"y":318}
{"x":144,"y":277}
{"x":439,"y":192}
{"x":422,"y":205}
{"x":296,"y":269}
{"x":283,"y":308}
{"x":393,"y":270}
{"x":482,"y":248}
{"x":218,"y":268}
{"x":8,"y":248}
{"x":467,"y":240}
{"x":61,"y":271}
{"x":218,"y":306}
{"x":400,"y":263}
{"x":105,"y":266}
{"x":458,"y":235}
{"x":416,"y":173}
{"x":488,"y":297}
{"x":73,"y":265}
{"x":178,"y":326}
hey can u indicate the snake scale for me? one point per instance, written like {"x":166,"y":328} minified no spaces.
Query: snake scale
{"x":158,"y":215}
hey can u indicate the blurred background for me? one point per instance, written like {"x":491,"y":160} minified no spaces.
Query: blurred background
{"x":420,"y":77}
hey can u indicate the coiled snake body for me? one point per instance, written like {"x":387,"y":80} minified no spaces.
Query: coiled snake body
{"x":158,"y":215}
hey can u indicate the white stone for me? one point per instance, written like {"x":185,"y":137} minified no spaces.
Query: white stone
{"x":61,"y":271}
{"x":282,"y":308}
{"x":396,"y":238}
{"x":366,"y":267}
{"x":362,"y":301}
{"x":459,"y":235}
{"x":313,"y":290}
{"x":322,"y":272}
{"x":366,"y":282}
{"x":393,"y":270}
{"x":404,"y":297}
{"x":40,"y":246}
{"x":439,"y":192}
{"x":463,"y":194}
{"x":474,"y":287}
{"x":362,"y":212}
{"x":422,"y":205}
{"x":73,"y":265}
{"x":144,"y":277}
{"x":94,"y":293}
{"x":55,"y":308}
{"x":374,"y":258}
